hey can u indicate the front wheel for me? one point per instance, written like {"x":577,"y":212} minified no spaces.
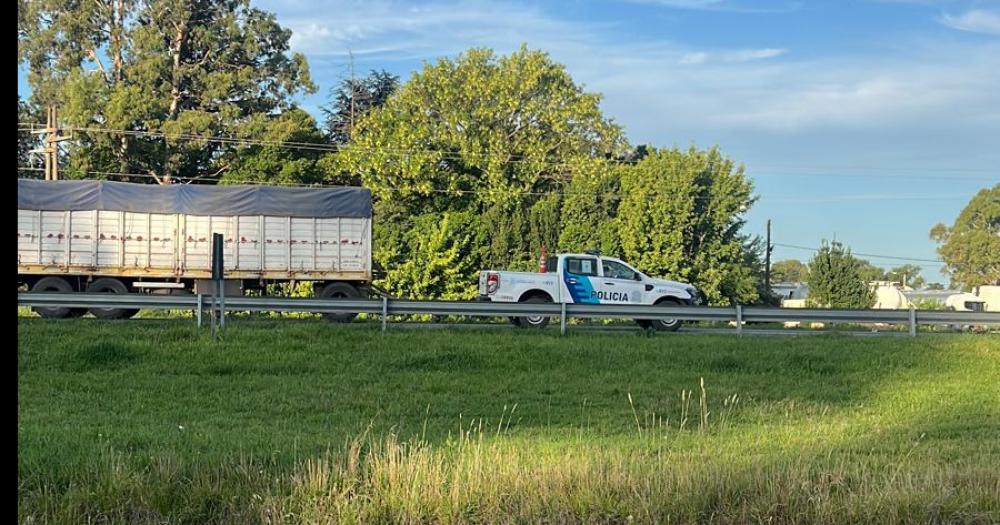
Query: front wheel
{"x":533,"y":321}
{"x":664,"y":324}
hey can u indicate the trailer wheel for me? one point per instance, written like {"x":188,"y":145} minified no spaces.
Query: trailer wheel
{"x":55,"y":285}
{"x":662,"y":325}
{"x":339,"y":291}
{"x":534,"y":321}
{"x":109,"y":285}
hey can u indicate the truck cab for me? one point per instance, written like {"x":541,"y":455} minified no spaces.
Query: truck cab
{"x":586,"y":278}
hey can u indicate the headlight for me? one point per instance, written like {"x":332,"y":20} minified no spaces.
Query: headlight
{"x":695,"y":296}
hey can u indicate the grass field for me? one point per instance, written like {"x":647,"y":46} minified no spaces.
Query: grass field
{"x":303,"y":422}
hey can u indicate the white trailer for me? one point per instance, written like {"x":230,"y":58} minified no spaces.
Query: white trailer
{"x":117,"y":237}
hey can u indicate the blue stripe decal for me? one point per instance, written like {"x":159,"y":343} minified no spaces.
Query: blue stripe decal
{"x":582,"y":291}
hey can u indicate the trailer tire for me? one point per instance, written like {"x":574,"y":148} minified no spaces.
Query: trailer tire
{"x":533,"y":321}
{"x":55,"y":285}
{"x":662,"y":325}
{"x":110,"y":285}
{"x":339,"y":291}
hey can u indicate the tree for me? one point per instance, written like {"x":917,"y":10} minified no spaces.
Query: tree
{"x":836,"y":280}
{"x":869,"y":272}
{"x":183,"y":67}
{"x":492,"y":137}
{"x":429,"y":258}
{"x":907,"y":275}
{"x":353,"y":99}
{"x":935,"y":286}
{"x":267,"y":160}
{"x":789,"y":271}
{"x":680,"y":216}
{"x":493,"y":126}
{"x":590,"y":208}
{"x":971,"y":246}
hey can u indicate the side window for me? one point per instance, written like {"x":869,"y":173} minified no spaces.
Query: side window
{"x":616,"y":270}
{"x":581,"y":266}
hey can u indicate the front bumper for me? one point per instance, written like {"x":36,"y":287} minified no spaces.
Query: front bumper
{"x":483,"y":299}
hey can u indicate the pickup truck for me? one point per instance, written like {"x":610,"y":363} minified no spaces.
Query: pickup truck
{"x":590,"y":279}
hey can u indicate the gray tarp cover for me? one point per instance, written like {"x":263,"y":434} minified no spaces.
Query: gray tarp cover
{"x":193,"y":199}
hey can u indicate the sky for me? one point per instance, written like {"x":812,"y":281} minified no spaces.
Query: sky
{"x":864,"y":121}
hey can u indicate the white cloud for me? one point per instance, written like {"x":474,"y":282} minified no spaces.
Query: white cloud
{"x":975,"y":20}
{"x":742,"y":6}
{"x":685,"y":4}
{"x":732,"y":57}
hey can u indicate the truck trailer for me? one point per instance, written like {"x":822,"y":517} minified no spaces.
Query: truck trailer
{"x":118,"y":237}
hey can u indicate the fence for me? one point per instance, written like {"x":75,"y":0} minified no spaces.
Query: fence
{"x":386,"y":307}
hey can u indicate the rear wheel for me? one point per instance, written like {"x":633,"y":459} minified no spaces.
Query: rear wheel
{"x":339,"y":291}
{"x":55,"y":285}
{"x":533,"y":321}
{"x":665,"y":324}
{"x":108,"y":285}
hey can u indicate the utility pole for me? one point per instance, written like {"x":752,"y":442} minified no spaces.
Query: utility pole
{"x":767,"y":259}
{"x":52,"y":140}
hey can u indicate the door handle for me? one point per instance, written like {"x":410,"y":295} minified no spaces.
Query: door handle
{"x":572,"y":281}
{"x":609,"y":284}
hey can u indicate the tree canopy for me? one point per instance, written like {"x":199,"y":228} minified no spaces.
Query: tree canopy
{"x":187,"y":68}
{"x":505,"y":154}
{"x":837,"y":280}
{"x":971,"y":246}
{"x":789,"y":271}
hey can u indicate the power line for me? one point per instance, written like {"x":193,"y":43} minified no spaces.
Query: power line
{"x":451,"y":155}
{"x":873,"y":255}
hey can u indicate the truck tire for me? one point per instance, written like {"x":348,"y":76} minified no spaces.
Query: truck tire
{"x":662,"y":325}
{"x":339,"y":291}
{"x":55,"y":285}
{"x":533,"y":321}
{"x":110,"y":285}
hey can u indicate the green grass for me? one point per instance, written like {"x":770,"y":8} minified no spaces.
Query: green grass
{"x":152,"y":421}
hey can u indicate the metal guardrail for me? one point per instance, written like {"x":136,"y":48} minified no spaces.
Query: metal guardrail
{"x":386,"y":307}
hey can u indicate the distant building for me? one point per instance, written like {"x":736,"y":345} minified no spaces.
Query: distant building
{"x":790,"y":290}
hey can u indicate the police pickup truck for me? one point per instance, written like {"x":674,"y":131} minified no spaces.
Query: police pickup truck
{"x":589,"y":279}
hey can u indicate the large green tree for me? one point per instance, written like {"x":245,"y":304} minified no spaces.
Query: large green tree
{"x":836,"y":279}
{"x":971,"y":246}
{"x":184,"y":67}
{"x":681,"y":215}
{"x":494,"y":137}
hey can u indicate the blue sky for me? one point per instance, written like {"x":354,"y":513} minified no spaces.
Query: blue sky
{"x":867,"y":120}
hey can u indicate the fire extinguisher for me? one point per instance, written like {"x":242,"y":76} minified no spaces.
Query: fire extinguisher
{"x":543,"y":261}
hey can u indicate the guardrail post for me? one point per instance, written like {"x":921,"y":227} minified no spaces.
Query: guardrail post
{"x":201,"y":306}
{"x":222,"y":307}
{"x":739,"y":321}
{"x":562,"y":318}
{"x":385,"y":313}
{"x":913,"y":322}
